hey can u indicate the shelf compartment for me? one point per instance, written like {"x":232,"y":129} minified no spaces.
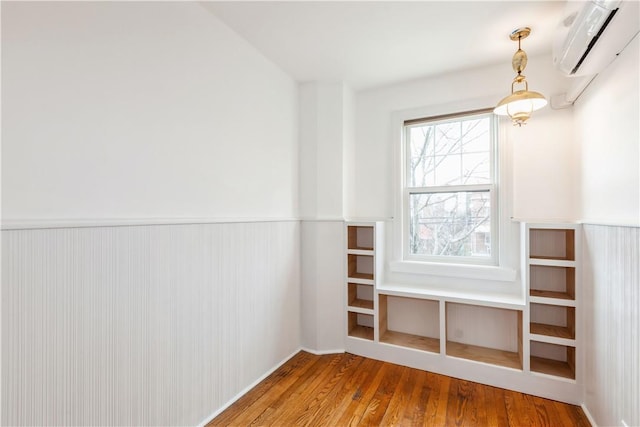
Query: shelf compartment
{"x":360,"y":237}
{"x":553,"y":359}
{"x":484,"y":334}
{"x":553,"y":321}
{"x":552,"y":282}
{"x":360,"y":266}
{"x":545,"y":243}
{"x":360,"y":296}
{"x":360,"y":325}
{"x":409,"y":322}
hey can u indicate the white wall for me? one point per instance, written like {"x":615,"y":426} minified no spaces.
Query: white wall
{"x":139,"y":111}
{"x":607,"y":122}
{"x":608,"y":131}
{"x":130,"y":110}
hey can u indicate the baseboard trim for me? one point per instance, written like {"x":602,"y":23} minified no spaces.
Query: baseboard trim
{"x":246,"y":389}
{"x":322,"y":352}
{"x":588,"y":414}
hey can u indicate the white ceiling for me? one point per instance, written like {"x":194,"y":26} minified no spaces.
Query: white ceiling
{"x":370,"y":44}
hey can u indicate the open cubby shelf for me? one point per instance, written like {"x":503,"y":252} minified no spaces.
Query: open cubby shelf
{"x":552,"y":243}
{"x":360,"y":296}
{"x":359,"y":331}
{"x":409,"y":322}
{"x":360,"y":266}
{"x":553,"y":320}
{"x":360,"y":325}
{"x":552,"y":281}
{"x":510,"y":321}
{"x":360,"y":237}
{"x":484,"y":354}
{"x":553,"y":359}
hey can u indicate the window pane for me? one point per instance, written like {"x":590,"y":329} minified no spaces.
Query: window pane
{"x":448,"y":170}
{"x":475,"y":169}
{"x":447,"y":138}
{"x":450,"y":224}
{"x":421,"y":170}
{"x":450,"y":153}
{"x":476,"y":136}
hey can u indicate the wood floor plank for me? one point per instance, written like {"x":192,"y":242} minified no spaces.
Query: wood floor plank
{"x":380,"y":401}
{"x":496,"y":407}
{"x":436,"y":411}
{"x":415,"y":408}
{"x":349,"y":390}
{"x":399,"y":400}
{"x":363,"y":396}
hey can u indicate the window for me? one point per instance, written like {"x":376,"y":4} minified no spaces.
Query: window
{"x":449,"y":189}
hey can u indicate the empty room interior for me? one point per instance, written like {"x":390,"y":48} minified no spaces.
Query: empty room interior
{"x":199,"y":197}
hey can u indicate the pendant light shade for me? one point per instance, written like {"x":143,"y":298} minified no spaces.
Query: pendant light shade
{"x":521,"y":103}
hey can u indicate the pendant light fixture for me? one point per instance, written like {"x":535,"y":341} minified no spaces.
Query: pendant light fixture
{"x":521,"y":103}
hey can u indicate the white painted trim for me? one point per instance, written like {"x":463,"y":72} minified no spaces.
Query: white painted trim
{"x":480,"y":299}
{"x":470,"y":271}
{"x":552,"y":222}
{"x":588,"y":414}
{"x":610,"y":223}
{"x":368,"y":220}
{"x":322,"y":352}
{"x":322,"y":218}
{"x":249,"y":387}
{"x":605,"y":222}
{"x":29,"y":224}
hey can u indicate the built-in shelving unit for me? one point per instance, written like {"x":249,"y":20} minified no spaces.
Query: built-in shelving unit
{"x":362,"y":273}
{"x":526,"y":339}
{"x":551,"y":264}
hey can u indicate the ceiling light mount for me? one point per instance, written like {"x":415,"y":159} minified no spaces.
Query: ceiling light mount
{"x":521,"y":103}
{"x":520,"y":33}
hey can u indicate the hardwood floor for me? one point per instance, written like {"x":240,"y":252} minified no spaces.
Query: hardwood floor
{"x":349,"y":390}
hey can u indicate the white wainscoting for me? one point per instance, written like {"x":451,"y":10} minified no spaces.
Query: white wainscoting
{"x":143,"y":325}
{"x":612,"y":323}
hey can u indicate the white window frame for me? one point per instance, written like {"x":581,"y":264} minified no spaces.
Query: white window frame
{"x":503,"y":266}
{"x":492,"y":188}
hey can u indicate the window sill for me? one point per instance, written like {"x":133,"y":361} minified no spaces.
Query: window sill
{"x":480,"y":272}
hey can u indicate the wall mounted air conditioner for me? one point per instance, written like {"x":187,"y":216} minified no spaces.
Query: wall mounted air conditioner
{"x":591,"y":36}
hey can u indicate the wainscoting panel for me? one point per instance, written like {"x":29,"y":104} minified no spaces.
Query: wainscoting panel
{"x":143,"y":325}
{"x":612,"y":323}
